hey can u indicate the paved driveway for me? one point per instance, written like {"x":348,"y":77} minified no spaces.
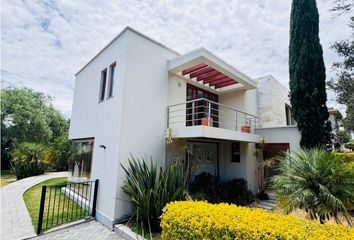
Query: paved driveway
{"x":92,"y":230}
{"x":15,"y":220}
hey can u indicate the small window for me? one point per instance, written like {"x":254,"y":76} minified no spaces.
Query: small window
{"x":289,"y":117}
{"x":235,"y":152}
{"x":111,"y":79}
{"x":103,"y":84}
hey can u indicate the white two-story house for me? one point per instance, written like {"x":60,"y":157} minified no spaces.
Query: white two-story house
{"x":133,"y":90}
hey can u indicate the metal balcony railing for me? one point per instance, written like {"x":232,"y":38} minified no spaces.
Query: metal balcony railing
{"x":205,"y":112}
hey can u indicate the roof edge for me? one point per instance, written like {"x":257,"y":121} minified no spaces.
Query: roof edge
{"x":127,"y":28}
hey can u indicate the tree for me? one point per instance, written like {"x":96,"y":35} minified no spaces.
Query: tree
{"x":343,"y":86}
{"x":307,"y":75}
{"x":28,"y":116}
{"x":315,"y":181}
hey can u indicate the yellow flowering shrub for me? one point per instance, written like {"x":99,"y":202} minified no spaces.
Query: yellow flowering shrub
{"x":201,"y":220}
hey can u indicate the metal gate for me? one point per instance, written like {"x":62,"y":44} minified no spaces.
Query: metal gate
{"x":66,"y":203}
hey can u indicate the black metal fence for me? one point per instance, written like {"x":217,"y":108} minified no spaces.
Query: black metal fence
{"x":62,"y":204}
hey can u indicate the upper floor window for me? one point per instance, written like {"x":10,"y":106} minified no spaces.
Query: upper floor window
{"x":103,"y":84}
{"x":111,"y":79}
{"x":289,"y":118}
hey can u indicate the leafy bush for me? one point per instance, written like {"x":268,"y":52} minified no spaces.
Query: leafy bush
{"x":201,"y":220}
{"x":27,"y":160}
{"x":346,"y":157}
{"x":235,"y":191}
{"x":313,"y":180}
{"x":151,"y":189}
{"x":61,"y":152}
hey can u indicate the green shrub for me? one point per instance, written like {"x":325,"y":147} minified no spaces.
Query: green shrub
{"x":61,"y":152}
{"x":316,"y":182}
{"x":234,"y":191}
{"x":150,"y":189}
{"x":346,"y":157}
{"x":28,"y":160}
{"x":205,"y":221}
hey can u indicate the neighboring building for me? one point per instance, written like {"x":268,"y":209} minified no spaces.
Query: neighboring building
{"x":275,"y":122}
{"x":134,"y":89}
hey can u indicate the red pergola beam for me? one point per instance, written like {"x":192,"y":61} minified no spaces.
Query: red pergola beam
{"x":212,"y":78}
{"x":201,"y":72}
{"x":209,"y":75}
{"x":225,"y":84}
{"x":216,"y":82}
{"x":194,"y":68}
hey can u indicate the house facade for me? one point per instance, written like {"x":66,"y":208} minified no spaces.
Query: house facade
{"x":135,"y":89}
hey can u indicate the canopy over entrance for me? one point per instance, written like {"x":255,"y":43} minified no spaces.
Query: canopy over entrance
{"x":200,"y":67}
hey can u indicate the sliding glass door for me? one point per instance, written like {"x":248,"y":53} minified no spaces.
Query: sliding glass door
{"x":197,"y":110}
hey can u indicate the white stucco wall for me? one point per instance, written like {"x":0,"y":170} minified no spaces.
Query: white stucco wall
{"x":144,"y":108}
{"x":285,"y":134}
{"x":245,"y":169}
{"x":101,"y":121}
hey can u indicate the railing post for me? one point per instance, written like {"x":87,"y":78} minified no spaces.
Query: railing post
{"x":94,"y":199}
{"x":209,"y":113}
{"x":193,"y":112}
{"x":41,"y":209}
{"x":236,"y":119}
{"x":168,"y":117}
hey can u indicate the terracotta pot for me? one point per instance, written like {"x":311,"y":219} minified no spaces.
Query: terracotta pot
{"x":246,"y":129}
{"x":205,"y":122}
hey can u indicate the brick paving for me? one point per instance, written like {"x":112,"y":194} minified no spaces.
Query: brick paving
{"x":15,"y":220}
{"x":92,"y":230}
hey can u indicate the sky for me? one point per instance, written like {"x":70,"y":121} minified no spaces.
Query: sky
{"x":44,"y":43}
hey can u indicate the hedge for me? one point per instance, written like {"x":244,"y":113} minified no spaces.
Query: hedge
{"x":202,"y":220}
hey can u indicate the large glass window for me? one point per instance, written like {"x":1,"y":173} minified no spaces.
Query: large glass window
{"x":80,"y":166}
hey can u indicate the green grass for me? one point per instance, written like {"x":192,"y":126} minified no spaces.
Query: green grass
{"x":7,"y":177}
{"x":70,"y":211}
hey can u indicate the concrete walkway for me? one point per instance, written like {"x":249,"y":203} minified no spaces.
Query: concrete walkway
{"x":92,"y":230}
{"x":15,"y":220}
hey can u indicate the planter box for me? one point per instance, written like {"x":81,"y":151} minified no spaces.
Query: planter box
{"x":207,"y":122}
{"x":246,"y":129}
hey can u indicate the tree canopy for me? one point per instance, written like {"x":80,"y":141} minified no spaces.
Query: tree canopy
{"x":28,"y":116}
{"x":308,"y":75}
{"x":343,"y":85}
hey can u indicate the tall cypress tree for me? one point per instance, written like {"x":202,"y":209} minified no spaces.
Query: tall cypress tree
{"x":308,"y":75}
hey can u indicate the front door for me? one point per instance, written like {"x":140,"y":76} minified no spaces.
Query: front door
{"x":198,"y":110}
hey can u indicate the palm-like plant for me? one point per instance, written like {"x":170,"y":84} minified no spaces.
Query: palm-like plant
{"x":151,"y":188}
{"x":315,"y":181}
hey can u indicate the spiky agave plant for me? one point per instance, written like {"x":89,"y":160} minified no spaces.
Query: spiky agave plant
{"x":314,"y":181}
{"x":151,"y":188}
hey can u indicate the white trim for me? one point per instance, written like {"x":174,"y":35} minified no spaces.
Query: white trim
{"x":202,"y":55}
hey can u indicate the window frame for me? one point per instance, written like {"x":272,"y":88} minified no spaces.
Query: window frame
{"x":111,"y":77}
{"x":103,"y":84}
{"x":235,"y":156}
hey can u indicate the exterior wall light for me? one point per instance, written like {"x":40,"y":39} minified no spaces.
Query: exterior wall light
{"x":102,"y":146}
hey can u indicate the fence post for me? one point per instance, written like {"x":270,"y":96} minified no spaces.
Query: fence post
{"x":94,"y":199}
{"x":41,"y":209}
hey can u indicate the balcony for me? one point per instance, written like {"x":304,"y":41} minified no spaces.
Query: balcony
{"x":203,"y":118}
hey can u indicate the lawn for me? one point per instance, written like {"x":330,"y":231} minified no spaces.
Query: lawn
{"x":7,"y":177}
{"x":61,"y":208}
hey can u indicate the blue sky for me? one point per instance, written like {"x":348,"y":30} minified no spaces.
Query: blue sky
{"x":44,"y":43}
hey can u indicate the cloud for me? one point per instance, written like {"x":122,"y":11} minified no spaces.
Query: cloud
{"x":44,"y":43}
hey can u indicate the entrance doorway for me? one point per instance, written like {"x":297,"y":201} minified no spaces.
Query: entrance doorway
{"x":205,"y":156}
